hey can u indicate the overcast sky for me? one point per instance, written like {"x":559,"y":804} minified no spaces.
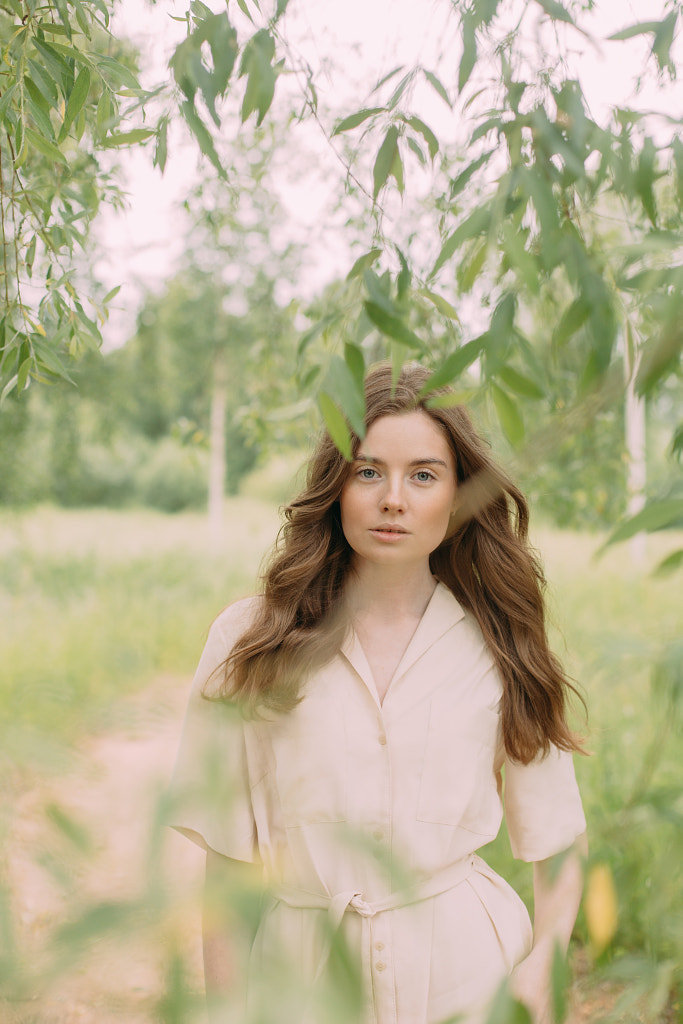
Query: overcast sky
{"x":350,"y":44}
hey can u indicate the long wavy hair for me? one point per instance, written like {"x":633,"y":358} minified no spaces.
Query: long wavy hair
{"x":485,"y":560}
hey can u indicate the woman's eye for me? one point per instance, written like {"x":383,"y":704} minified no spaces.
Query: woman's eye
{"x":423,"y":475}
{"x":367,"y":473}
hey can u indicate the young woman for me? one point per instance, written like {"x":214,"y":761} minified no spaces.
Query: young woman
{"x":395,"y":693}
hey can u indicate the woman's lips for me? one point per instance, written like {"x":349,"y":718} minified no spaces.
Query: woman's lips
{"x":389,"y":532}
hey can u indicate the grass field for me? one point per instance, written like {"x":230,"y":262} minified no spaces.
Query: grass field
{"x":96,"y":605}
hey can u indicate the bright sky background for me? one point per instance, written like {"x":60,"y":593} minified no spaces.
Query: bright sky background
{"x":366,"y":38}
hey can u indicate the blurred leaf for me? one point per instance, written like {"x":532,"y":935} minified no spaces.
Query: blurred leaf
{"x":257,"y":65}
{"x":393,"y":326}
{"x":601,"y":907}
{"x":379,"y":290}
{"x":202,"y":135}
{"x":336,"y":425}
{"x":341,"y":384}
{"x":509,"y":415}
{"x":72,"y":830}
{"x":353,"y":356}
{"x":77,"y":98}
{"x":437,"y":86}
{"x":384,"y":162}
{"x":469,"y":50}
{"x":363,"y":262}
{"x":427,"y":134}
{"x":353,"y":120}
{"x":444,"y":307}
{"x":404,"y":276}
{"x":661,"y":355}
{"x":387,"y":78}
{"x":504,"y":1009}
{"x":45,"y":147}
{"x":161,"y":147}
{"x":458,"y":183}
{"x":477,"y":223}
{"x":644,"y":179}
{"x":559,"y":981}
{"x":456,"y":363}
{"x":556,"y":11}
{"x":519,"y":383}
{"x":662,"y":514}
{"x":131,"y":138}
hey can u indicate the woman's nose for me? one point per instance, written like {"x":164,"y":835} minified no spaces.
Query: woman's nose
{"x":393,"y":499}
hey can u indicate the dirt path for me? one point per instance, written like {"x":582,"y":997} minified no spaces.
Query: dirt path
{"x":111,"y":794}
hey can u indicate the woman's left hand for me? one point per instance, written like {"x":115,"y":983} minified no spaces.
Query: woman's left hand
{"x":530,"y":983}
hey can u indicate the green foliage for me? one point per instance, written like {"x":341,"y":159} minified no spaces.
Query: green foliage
{"x":67,"y":88}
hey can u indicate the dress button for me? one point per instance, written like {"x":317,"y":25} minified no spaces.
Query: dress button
{"x":380,"y":965}
{"x":382,"y":739}
{"x":379,"y":946}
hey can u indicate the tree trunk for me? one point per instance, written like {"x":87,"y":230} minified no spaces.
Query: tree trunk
{"x":634,"y":425}
{"x":217,"y":447}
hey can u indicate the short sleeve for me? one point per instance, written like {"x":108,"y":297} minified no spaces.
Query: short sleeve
{"x":209,"y":794}
{"x":543,"y":807}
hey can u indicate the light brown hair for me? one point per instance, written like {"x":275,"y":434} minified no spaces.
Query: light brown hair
{"x":485,"y":560}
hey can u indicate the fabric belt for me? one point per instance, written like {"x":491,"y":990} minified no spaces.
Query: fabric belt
{"x":354,"y":900}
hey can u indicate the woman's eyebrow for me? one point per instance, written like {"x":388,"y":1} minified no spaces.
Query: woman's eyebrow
{"x":427,"y":461}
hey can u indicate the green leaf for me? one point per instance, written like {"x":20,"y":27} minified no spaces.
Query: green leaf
{"x":77,"y":98}
{"x":399,"y":90}
{"x":437,"y":86}
{"x":469,"y":52}
{"x":47,"y":359}
{"x":393,"y":326}
{"x":342,"y":385}
{"x":444,"y":307}
{"x":131,"y":138}
{"x":556,"y":11}
{"x":245,"y":10}
{"x":161,"y":147}
{"x":414,"y":148}
{"x":353,"y":356}
{"x":379,"y":290}
{"x":120,"y":74}
{"x":454,"y":365}
{"x":669,"y":564}
{"x":387,"y":78}
{"x":54,"y":65}
{"x":644,"y":178}
{"x":509,"y":415}
{"x":5,"y":101}
{"x":336,"y":425}
{"x":519,"y":383}
{"x":202,"y":135}
{"x":39,"y":114}
{"x":476,"y":224}
{"x":574,"y":316}
{"x":23,"y":372}
{"x":663,"y":41}
{"x":256,"y":64}
{"x":45,"y":147}
{"x":662,"y":514}
{"x":458,"y":183}
{"x":639,"y":29}
{"x":353,"y":120}
{"x":472,"y":265}
{"x":111,"y":295}
{"x":363,"y":262}
{"x":426,"y":132}
{"x":30,"y":256}
{"x":404,"y":277}
{"x":661,"y":354}
{"x":384,"y":161}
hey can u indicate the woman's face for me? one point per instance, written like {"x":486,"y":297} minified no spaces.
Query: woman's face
{"x":400,"y":494}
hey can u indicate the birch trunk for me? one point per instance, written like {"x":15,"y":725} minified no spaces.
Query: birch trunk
{"x":217,"y":447}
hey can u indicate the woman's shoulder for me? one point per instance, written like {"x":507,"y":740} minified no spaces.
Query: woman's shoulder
{"x":237,"y":617}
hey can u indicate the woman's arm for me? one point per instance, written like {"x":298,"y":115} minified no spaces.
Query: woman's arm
{"x":558,"y":884}
{"x":227,"y":935}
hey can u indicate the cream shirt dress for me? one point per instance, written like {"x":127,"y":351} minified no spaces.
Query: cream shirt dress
{"x":365,"y":818}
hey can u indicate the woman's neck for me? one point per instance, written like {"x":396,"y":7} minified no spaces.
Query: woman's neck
{"x":391,"y":592}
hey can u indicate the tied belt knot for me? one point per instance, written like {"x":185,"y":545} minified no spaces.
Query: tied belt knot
{"x":355,"y":900}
